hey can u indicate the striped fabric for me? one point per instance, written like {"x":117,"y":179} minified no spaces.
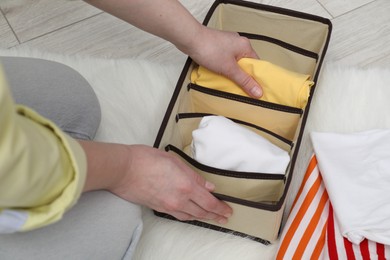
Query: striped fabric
{"x":338,"y":247}
{"x":311,"y":231}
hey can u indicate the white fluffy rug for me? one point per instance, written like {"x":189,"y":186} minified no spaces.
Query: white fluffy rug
{"x":134,"y":95}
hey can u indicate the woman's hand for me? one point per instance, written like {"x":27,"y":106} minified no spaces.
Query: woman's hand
{"x":162,"y":182}
{"x":153,"y":178}
{"x":219,"y":51}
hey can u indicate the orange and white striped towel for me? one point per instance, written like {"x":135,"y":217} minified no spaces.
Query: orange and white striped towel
{"x":311,"y":231}
{"x":303,"y":236}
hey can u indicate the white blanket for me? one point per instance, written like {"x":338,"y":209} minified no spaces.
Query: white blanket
{"x":346,"y":100}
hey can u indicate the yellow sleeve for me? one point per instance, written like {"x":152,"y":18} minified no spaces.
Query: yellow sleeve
{"x":42,"y":170}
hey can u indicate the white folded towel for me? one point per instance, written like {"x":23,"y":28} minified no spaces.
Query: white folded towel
{"x":221,"y":143}
{"x":356,"y":172}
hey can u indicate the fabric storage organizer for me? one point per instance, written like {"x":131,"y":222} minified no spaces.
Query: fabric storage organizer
{"x":290,"y":39}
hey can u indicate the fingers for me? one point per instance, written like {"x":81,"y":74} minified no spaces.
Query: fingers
{"x":220,"y":51}
{"x":196,"y":201}
{"x":215,"y":209}
{"x":206,"y":201}
{"x":194,"y":212}
{"x":251,"y":54}
{"x":199,"y":207}
{"x":247,"y":83}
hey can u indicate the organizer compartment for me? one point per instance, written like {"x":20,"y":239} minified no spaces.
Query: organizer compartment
{"x":244,"y":186}
{"x":282,"y":120}
{"x":254,"y":186}
{"x":284,"y":54}
{"x":303,"y":30}
{"x":188,"y":122}
{"x":290,"y":39}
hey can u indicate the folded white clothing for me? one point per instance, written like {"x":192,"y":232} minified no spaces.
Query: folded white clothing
{"x":219,"y":142}
{"x":356,"y":172}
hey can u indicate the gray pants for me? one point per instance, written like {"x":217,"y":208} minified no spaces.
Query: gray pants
{"x":101,"y":225}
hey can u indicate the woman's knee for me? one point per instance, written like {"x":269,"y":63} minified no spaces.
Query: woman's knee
{"x":57,"y":92}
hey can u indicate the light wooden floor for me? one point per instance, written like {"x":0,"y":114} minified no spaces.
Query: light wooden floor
{"x":360,"y":37}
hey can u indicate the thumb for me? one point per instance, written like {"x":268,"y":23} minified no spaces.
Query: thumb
{"x":246,"y":82}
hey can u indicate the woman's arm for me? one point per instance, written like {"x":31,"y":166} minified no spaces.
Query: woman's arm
{"x":218,"y":51}
{"x":153,"y":178}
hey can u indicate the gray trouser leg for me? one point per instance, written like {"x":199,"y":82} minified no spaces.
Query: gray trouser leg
{"x":100,"y":225}
{"x":55,"y":91}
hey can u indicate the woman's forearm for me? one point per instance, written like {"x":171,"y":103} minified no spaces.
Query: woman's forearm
{"x":218,"y":51}
{"x":106,"y":164}
{"x":168,"y":19}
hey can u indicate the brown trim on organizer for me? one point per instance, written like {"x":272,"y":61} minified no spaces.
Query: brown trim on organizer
{"x":228,"y":173}
{"x":168,"y":112}
{"x":214,"y":227}
{"x":264,"y":7}
{"x":243,"y":99}
{"x":283,"y":44}
{"x":248,"y":203}
{"x":194,"y":115}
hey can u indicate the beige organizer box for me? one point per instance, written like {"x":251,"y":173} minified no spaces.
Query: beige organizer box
{"x":290,"y":39}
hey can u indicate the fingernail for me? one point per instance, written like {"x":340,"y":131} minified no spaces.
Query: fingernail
{"x":222,"y":221}
{"x":210,"y":186}
{"x":228,"y":215}
{"x":256,"y":92}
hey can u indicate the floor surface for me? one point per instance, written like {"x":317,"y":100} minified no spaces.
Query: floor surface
{"x":361,"y":33}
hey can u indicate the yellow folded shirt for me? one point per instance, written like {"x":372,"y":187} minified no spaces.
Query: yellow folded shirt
{"x":279,"y":85}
